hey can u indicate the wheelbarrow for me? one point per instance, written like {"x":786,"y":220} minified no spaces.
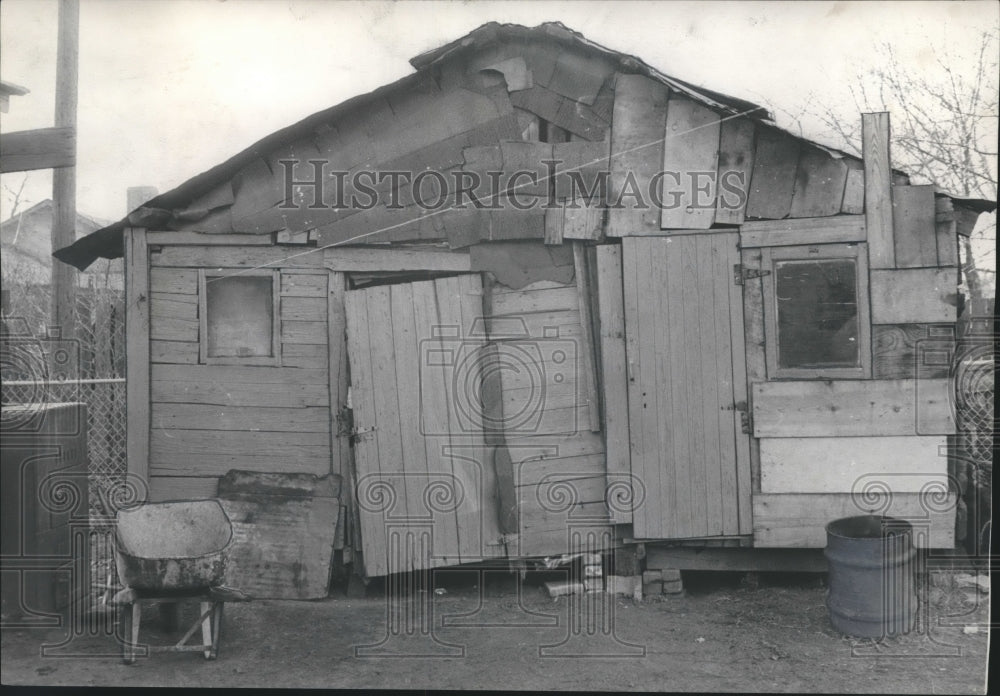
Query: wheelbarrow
{"x":173,"y":552}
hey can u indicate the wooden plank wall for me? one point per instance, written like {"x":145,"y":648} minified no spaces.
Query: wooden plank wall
{"x":207,"y":419}
{"x":559,"y":466}
{"x":817,"y":442}
{"x":492,"y":113}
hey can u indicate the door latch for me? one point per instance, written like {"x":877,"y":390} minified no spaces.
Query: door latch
{"x":741,"y":273}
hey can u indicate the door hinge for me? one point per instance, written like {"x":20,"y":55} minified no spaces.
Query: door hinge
{"x":746,"y":421}
{"x":357,"y":434}
{"x":740,"y":273}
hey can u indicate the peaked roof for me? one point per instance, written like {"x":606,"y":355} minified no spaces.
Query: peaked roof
{"x":26,"y":237}
{"x":107,"y":242}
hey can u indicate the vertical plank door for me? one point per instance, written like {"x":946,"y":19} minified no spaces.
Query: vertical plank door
{"x":424,"y":474}
{"x":686,"y":386}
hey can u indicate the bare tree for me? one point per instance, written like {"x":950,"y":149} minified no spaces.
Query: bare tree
{"x":944,"y":119}
{"x":944,"y":126}
{"x":15,"y":195}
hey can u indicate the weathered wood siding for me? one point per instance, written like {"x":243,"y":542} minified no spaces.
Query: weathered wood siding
{"x":207,"y":419}
{"x":558,"y":464}
{"x":824,"y":448}
{"x":799,"y":520}
{"x":569,"y":426}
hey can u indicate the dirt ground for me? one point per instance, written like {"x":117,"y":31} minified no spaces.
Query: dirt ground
{"x":479,"y":632}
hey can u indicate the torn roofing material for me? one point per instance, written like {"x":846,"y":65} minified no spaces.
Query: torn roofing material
{"x":494,"y":32}
{"x":161,"y":211}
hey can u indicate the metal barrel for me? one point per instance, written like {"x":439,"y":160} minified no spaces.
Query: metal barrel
{"x":871,"y":562}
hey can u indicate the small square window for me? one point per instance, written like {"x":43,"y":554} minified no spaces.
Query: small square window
{"x":817,"y":311}
{"x":239,"y":317}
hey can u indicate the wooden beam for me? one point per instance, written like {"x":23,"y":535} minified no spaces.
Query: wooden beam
{"x":336,"y":320}
{"x":137,"y":393}
{"x":878,"y":189}
{"x":201,"y":238}
{"x":64,"y":179}
{"x":791,"y":232}
{"x":754,"y":340}
{"x":587,"y":358}
{"x":614,"y":382}
{"x":849,"y":408}
{"x":348,"y":259}
{"x":41,"y":148}
{"x":235,"y":257}
{"x":766,"y":560}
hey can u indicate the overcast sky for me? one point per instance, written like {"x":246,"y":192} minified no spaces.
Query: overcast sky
{"x":169,"y":88}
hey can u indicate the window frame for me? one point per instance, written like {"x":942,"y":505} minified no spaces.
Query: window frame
{"x":858,"y":252}
{"x":273,"y":360}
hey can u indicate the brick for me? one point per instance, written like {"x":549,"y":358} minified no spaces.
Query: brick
{"x":564,"y":587}
{"x":652,"y":576}
{"x":670,"y":574}
{"x":594,"y":584}
{"x":593,"y":571}
{"x":623,"y":585}
{"x":673,"y":586}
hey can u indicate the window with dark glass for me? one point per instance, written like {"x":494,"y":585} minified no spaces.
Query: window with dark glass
{"x":817,"y":306}
{"x":816,"y":311}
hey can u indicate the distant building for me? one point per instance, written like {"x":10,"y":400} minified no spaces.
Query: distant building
{"x":25,"y":242}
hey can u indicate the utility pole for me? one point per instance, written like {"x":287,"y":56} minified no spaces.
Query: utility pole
{"x":64,"y":179}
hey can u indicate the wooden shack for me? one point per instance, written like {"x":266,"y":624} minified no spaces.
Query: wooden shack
{"x":693,"y":330}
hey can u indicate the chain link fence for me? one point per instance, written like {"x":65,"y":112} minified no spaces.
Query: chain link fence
{"x":38,"y":364}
